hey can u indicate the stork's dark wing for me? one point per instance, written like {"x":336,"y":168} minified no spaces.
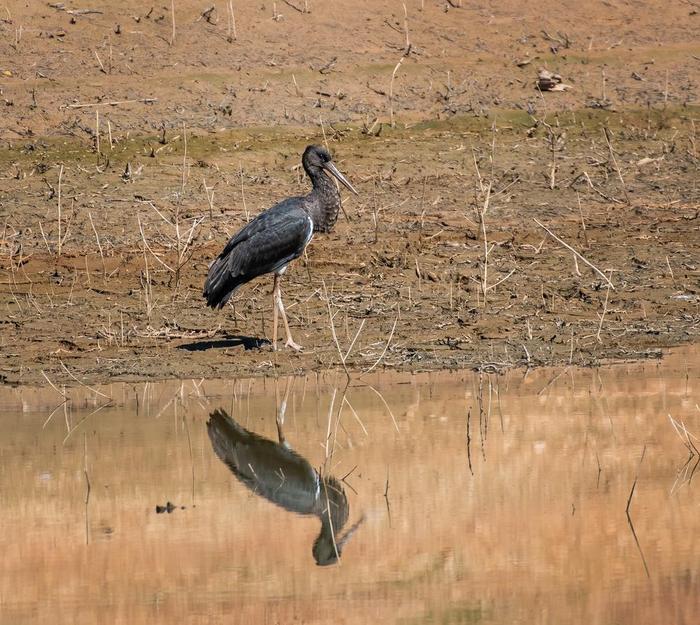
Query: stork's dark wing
{"x":266,"y":244}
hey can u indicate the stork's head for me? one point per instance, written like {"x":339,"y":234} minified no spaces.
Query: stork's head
{"x":316,"y":158}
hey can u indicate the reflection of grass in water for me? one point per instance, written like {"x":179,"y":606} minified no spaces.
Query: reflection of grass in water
{"x":453,"y":615}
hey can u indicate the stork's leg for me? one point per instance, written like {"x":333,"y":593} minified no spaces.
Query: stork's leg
{"x":277,"y":295}
{"x":281,"y":411}
{"x":275,"y":312}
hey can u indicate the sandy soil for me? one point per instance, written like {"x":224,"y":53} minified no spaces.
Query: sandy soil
{"x":441,"y":261}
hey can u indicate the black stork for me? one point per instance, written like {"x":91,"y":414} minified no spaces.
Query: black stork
{"x":277,"y":236}
{"x":280,"y":475}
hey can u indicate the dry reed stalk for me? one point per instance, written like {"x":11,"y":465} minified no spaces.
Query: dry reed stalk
{"x":611,"y":152}
{"x":605,"y":310}
{"x":330,"y":418}
{"x":668,"y":264}
{"x":391,"y":335}
{"x":102,"y":67}
{"x":93,"y":390}
{"x":690,"y":446}
{"x":85,"y":418}
{"x":172,"y":15}
{"x":583,"y":223}
{"x":478,"y":172}
{"x":333,"y":333}
{"x":54,"y":387}
{"x":405,"y":27}
{"x":232,"y":34}
{"x":245,"y":206}
{"x":148,"y":247}
{"x":43,"y":236}
{"x":391,"y":91}
{"x":325,"y":139}
{"x":581,"y":257}
{"x":60,"y":178}
{"x":97,"y":131}
{"x":486,"y":243}
{"x":54,"y":411}
{"x":184,"y":160}
{"x":501,"y":281}
{"x":629,"y":518}
{"x":391,"y":414}
{"x":87,"y":489}
{"x":357,"y":417}
{"x":210,"y":196}
{"x":552,"y":145}
{"x":81,"y":105}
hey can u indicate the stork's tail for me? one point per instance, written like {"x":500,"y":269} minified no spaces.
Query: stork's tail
{"x":224,"y":433}
{"x":218,"y":286}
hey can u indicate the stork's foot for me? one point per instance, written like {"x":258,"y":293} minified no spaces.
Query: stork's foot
{"x":290,"y":343}
{"x":295,"y":346}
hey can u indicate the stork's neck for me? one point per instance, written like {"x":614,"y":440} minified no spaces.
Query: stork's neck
{"x":323,"y":203}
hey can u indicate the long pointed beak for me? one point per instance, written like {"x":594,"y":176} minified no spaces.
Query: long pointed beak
{"x":334,"y":170}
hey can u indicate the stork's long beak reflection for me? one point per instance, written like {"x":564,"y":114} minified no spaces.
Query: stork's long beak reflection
{"x":329,"y":166}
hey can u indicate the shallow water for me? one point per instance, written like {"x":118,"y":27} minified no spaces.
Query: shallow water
{"x":519,"y":519}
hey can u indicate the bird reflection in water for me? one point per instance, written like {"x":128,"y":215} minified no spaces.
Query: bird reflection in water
{"x":279,"y":474}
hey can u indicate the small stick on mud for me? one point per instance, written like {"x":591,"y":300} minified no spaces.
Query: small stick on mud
{"x":81,"y":105}
{"x":293,"y":6}
{"x":566,"y":245}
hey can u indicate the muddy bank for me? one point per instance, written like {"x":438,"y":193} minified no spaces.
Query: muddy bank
{"x":444,"y":261}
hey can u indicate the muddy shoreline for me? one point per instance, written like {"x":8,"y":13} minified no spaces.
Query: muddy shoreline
{"x":458,"y":252}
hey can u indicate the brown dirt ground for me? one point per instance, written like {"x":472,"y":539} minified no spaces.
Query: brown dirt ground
{"x":405,"y":268}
